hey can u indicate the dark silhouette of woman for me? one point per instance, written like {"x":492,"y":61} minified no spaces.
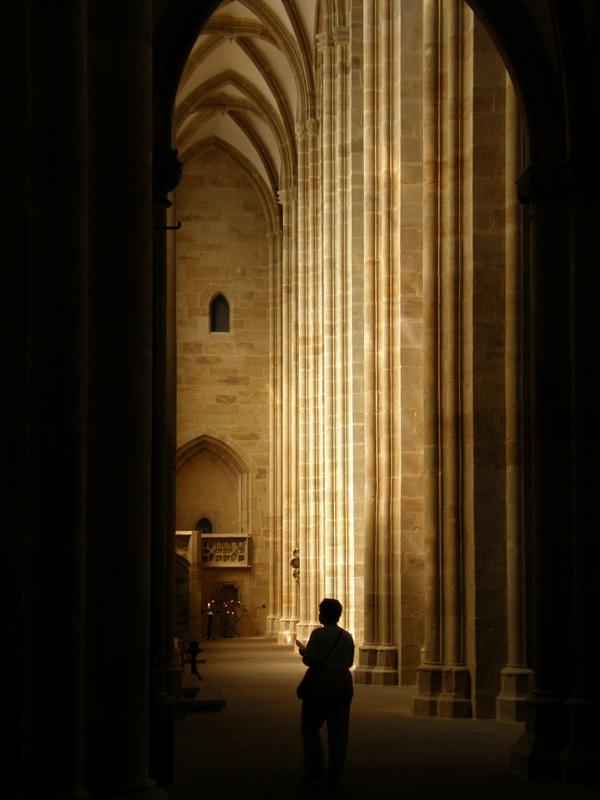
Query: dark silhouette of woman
{"x":329,"y":653}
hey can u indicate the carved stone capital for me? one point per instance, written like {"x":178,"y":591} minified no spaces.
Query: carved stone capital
{"x":325,"y":41}
{"x":300,"y":131}
{"x":167,"y":169}
{"x":287,"y":195}
{"x":312,"y":128}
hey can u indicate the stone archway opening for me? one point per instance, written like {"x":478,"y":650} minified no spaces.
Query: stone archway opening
{"x":382,"y":276}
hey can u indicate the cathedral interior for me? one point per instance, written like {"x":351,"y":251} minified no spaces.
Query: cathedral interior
{"x":299,"y":303}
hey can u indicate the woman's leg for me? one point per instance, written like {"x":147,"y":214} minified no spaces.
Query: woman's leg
{"x":313,"y":717}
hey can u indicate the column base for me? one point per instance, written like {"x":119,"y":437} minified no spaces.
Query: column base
{"x":429,"y":687}
{"x":537,"y":753}
{"x":515,"y":688}
{"x":286,"y":635}
{"x":454,"y":701}
{"x":377,"y":665}
{"x":579,"y":760}
{"x":272,"y":628}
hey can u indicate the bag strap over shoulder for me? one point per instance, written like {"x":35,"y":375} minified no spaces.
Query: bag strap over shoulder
{"x":331,"y":649}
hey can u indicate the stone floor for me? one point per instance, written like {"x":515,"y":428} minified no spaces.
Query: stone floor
{"x":252,"y":747}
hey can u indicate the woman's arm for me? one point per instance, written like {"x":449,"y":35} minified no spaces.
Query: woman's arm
{"x":312,"y":653}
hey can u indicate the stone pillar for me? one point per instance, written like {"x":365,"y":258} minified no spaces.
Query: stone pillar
{"x":164,"y":666}
{"x":537,"y":753}
{"x":293,"y":422}
{"x":325,"y":43}
{"x":342,"y":352}
{"x":579,"y":757}
{"x":515,"y":676}
{"x":453,"y":700}
{"x":301,"y":300}
{"x":378,"y":656}
{"x":284,"y":633}
{"x":120,"y":403}
{"x":443,"y":680}
{"x":312,"y":556}
{"x":275,"y":543}
{"x":407,"y":316}
{"x":197,"y":600}
{"x":429,"y":674}
{"x":357,"y":343}
{"x":47,"y":308}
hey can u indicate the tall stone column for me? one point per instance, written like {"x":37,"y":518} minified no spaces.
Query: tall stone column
{"x":311,"y":560}
{"x":293,"y":420}
{"x":443,"y":680}
{"x":325,"y":44}
{"x":164,"y":666}
{"x":47,"y":309}
{"x":537,"y":754}
{"x":378,"y":656}
{"x":578,"y":759}
{"x":119,"y":477}
{"x":284,"y":633}
{"x":275,"y":530}
{"x":301,"y":307}
{"x":356,"y":278}
{"x":342,"y":352}
{"x":453,"y":700}
{"x":516,"y":675}
{"x":429,"y":674}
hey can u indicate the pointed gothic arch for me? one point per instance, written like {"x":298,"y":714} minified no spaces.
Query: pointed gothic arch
{"x":219,"y":314}
{"x":233,"y":463}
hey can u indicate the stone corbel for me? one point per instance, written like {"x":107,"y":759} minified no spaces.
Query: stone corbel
{"x":166,"y":174}
{"x":288,"y":195}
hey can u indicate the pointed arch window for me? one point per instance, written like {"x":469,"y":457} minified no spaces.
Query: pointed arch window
{"x":219,"y":314}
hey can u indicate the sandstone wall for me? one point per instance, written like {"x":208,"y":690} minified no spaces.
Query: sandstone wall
{"x":223,"y":385}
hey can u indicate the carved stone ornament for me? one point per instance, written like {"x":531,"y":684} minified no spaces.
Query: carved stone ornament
{"x":295,"y":564}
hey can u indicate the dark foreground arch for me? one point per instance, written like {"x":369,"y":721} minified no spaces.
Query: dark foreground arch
{"x":88,"y":443}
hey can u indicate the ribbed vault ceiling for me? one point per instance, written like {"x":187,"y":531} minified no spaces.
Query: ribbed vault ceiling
{"x":248,"y":82}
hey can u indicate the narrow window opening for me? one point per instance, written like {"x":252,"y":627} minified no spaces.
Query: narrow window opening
{"x":204,"y":525}
{"x":219,"y":315}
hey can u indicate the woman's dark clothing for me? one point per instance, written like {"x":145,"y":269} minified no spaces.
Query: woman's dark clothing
{"x":328,"y":700}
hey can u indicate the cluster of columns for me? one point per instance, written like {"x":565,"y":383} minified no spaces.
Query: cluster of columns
{"x":86,"y":420}
{"x":312,"y":403}
{"x":378,"y":654}
{"x":350,"y":491}
{"x":473,"y":495}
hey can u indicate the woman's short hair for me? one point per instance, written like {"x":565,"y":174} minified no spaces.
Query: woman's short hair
{"x":330,"y":609}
